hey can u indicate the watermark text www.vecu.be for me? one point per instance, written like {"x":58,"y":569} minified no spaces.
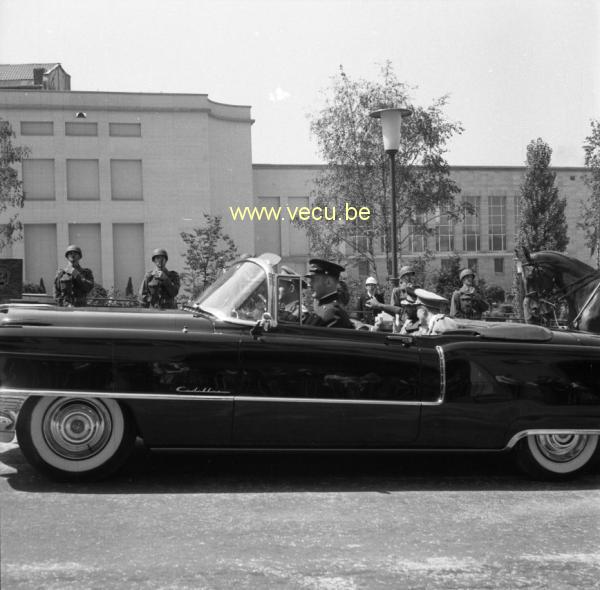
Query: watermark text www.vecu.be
{"x":328,"y":213}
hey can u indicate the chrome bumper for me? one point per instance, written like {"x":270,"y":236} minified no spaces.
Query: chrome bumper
{"x":9,"y":410}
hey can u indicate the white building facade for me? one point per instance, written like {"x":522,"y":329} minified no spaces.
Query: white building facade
{"x":120,"y":174}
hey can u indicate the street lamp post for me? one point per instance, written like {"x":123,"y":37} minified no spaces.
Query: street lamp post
{"x":391,"y":128}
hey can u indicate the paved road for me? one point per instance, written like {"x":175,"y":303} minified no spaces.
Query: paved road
{"x":306,"y":522}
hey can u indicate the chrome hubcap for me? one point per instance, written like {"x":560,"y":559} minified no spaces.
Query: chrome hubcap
{"x":77,"y":429}
{"x":561,"y":447}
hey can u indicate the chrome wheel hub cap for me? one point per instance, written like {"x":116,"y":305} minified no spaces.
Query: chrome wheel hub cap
{"x":77,"y":429}
{"x":561,"y":447}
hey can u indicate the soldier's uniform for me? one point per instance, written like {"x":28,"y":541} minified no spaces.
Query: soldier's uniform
{"x":467,"y":302}
{"x":72,"y":285}
{"x":159,"y":292}
{"x":399,"y":294}
{"x":328,"y":311}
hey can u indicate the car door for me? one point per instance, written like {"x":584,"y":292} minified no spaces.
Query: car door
{"x":306,"y":387}
{"x":186,"y":383}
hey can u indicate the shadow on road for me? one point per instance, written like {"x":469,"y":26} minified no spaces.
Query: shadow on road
{"x":152,"y":472}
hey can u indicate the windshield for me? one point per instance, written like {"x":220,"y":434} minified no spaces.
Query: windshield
{"x":241,"y":293}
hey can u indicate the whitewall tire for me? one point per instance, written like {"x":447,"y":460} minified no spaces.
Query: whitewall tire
{"x":75,"y":438}
{"x":557,"y":456}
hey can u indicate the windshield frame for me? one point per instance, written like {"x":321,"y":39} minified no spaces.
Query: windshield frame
{"x":225,"y":279}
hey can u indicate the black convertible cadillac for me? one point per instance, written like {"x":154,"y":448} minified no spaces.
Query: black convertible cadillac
{"x":232,"y":372}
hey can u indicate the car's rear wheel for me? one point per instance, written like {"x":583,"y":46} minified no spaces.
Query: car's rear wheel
{"x":75,"y":439}
{"x":557,"y":456}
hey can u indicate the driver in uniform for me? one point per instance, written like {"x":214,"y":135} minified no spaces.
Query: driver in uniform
{"x":328,"y":310}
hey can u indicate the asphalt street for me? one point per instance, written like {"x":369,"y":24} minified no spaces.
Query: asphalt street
{"x":191,"y":521}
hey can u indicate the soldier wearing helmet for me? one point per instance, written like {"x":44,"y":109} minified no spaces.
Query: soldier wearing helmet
{"x":367,"y":314}
{"x":467,"y":302}
{"x":160,"y":285}
{"x":73,"y":283}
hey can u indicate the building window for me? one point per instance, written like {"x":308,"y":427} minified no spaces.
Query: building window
{"x":472,"y":226}
{"x":497,"y":225}
{"x":267,"y":232}
{"x":38,"y":180}
{"x":125,"y":129}
{"x":363,"y":269}
{"x":82,"y":180}
{"x":298,"y":237}
{"x":81,"y":129}
{"x":37,"y":128}
{"x":445,"y":233}
{"x":499,"y":266}
{"x":126,"y":180}
{"x":417,"y":238}
{"x":358,"y":242}
{"x":40,"y":254}
{"x":473,"y":264}
{"x":128,"y":256}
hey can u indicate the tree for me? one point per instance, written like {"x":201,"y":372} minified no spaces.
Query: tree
{"x":447,"y":279}
{"x":208,"y":252}
{"x":542,"y":225}
{"x":129,"y":288}
{"x":357,"y":168}
{"x":11,"y":188}
{"x":590,"y":209}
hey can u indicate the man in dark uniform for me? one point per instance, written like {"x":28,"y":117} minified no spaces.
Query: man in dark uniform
{"x":324,"y":278}
{"x":367,"y":314}
{"x":73,"y":283}
{"x":467,"y":301}
{"x":160,"y":286}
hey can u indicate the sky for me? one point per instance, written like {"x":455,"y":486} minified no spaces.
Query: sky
{"x":515,"y":70}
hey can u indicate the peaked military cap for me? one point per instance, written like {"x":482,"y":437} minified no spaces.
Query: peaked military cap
{"x":316,"y":266}
{"x":429,"y":299}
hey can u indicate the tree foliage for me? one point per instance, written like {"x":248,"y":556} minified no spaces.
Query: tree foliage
{"x":357,"y":167}
{"x":542,"y":225}
{"x":209,"y":250}
{"x":11,"y":187}
{"x":590,"y":208}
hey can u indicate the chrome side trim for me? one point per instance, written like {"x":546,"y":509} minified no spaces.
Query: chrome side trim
{"x":541,"y":431}
{"x":319,"y":400}
{"x":215,"y":395}
{"x":440,"y":352}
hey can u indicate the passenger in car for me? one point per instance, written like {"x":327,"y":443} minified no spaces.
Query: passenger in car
{"x":432,"y":323}
{"x":160,"y":285}
{"x":289,"y":301}
{"x":324,"y":277}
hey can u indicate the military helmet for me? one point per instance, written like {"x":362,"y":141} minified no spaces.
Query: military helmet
{"x":405,"y":270}
{"x":74,"y":248}
{"x":465,"y":273}
{"x":160,"y":252}
{"x":371,"y":281}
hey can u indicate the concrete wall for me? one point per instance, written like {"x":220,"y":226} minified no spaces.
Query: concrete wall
{"x":195,"y":158}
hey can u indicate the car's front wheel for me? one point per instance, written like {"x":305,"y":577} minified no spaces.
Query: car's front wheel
{"x":557,"y":456}
{"x":75,"y":439}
